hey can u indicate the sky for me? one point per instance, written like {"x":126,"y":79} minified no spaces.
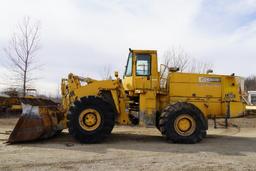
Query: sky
{"x":85,"y":36}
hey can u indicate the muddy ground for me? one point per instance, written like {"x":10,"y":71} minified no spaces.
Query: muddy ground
{"x":133,"y":148}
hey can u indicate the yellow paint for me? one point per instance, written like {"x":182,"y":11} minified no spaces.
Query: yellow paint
{"x":16,"y":107}
{"x":209,"y":92}
{"x":148,"y":106}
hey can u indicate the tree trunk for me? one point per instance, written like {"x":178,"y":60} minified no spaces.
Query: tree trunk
{"x":24,"y":85}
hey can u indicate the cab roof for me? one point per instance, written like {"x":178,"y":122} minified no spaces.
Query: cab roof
{"x":143,"y":51}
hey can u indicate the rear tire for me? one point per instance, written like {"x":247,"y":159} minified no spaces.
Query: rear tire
{"x":182,"y":123}
{"x":91,"y":119}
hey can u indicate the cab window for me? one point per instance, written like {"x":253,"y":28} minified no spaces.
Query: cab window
{"x":128,"y":70}
{"x":143,"y":64}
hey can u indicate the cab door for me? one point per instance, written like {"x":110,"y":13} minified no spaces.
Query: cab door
{"x":142,"y":78}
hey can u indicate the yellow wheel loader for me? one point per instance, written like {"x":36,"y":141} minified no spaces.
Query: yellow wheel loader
{"x":10,"y":103}
{"x":177,"y":104}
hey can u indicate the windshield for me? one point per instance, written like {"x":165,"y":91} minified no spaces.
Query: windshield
{"x":128,"y":70}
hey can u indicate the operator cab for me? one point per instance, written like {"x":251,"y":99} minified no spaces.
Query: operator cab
{"x":141,"y":71}
{"x":141,"y":82}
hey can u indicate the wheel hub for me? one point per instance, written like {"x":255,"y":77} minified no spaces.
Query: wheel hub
{"x":89,"y":119}
{"x":185,"y":125}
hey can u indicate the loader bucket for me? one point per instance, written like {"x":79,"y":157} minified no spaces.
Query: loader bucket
{"x":40,"y":119}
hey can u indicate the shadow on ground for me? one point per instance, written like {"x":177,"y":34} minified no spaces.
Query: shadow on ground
{"x":225,"y":145}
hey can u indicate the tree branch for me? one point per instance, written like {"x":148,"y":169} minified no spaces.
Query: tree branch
{"x":21,"y":52}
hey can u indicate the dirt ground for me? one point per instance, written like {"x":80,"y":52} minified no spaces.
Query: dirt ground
{"x":133,"y":148}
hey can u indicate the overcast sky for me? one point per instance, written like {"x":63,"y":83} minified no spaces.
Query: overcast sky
{"x":83,"y":36}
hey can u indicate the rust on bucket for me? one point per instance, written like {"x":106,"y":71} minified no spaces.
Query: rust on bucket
{"x":39,"y":120}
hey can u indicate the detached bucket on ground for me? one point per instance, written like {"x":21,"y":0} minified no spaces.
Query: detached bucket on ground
{"x":39,"y":120}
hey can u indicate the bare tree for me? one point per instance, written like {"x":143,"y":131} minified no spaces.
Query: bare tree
{"x":250,"y":83}
{"x":177,"y":57}
{"x":106,"y":73}
{"x":22,"y":51}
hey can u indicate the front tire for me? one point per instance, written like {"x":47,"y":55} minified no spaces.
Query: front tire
{"x":91,"y":119}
